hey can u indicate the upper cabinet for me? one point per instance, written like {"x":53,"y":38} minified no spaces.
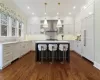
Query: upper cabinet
{"x":69,"y":29}
{"x":3,"y":24}
{"x":14,"y":27}
{"x":69,"y":25}
{"x":10,"y":26}
{"x":77,"y":27}
{"x":33,"y":26}
{"x":20,"y":29}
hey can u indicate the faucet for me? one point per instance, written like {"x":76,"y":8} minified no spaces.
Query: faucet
{"x":62,"y":36}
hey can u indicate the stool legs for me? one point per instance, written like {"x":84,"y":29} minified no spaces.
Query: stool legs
{"x":53,"y":57}
{"x":41,"y":56}
{"x":65,"y":55}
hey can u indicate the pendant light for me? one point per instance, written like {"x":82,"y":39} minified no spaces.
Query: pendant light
{"x":45,"y":25}
{"x":59,"y":24}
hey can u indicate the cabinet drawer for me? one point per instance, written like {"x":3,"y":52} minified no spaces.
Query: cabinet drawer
{"x":7,"y":59}
{"x":6,"y":52}
{"x":6,"y":47}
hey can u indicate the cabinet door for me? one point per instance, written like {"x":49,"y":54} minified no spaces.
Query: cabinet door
{"x":78,"y":27}
{"x":4,"y":24}
{"x":68,"y":29}
{"x":88,"y":38}
{"x":84,"y":24}
{"x":15,"y":51}
{"x":33,"y":45}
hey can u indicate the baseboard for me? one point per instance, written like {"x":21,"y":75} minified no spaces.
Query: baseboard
{"x":72,"y":50}
{"x":97,"y":65}
{"x":32,"y":51}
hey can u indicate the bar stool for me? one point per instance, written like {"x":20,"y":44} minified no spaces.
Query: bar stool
{"x":63,"y":48}
{"x":42,"y":48}
{"x":53,"y":48}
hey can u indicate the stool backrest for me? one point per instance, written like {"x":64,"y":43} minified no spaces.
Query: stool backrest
{"x":42,"y":47}
{"x":63,"y":47}
{"x":52,"y":47}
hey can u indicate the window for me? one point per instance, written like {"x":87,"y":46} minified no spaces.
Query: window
{"x":4,"y":24}
{"x":14,"y":27}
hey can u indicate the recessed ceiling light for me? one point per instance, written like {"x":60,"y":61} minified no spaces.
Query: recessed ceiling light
{"x":90,"y":13}
{"x":70,"y":13}
{"x":45,"y":13}
{"x":28,"y":7}
{"x":74,"y":7}
{"x":84,"y":7}
{"x":58,"y":13}
{"x":32,"y":13}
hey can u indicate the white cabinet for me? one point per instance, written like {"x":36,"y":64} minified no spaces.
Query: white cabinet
{"x":6,"y":56}
{"x":3,"y":24}
{"x":68,"y":29}
{"x":15,"y":50}
{"x":33,"y":45}
{"x":71,"y":44}
{"x":88,"y":38}
{"x":77,"y":47}
{"x":78,"y":27}
{"x":11,"y":51}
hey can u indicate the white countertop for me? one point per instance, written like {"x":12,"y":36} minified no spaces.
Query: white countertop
{"x":13,"y":42}
{"x":52,"y":41}
{"x":37,"y":41}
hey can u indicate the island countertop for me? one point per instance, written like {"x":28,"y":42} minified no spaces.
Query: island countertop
{"x":46,"y":41}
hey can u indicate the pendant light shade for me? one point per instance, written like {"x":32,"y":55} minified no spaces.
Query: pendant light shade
{"x":59,"y":24}
{"x":45,"y":25}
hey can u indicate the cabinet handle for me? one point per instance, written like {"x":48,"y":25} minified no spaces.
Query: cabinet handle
{"x":84,"y":37}
{"x":7,"y":52}
{"x":7,"y":60}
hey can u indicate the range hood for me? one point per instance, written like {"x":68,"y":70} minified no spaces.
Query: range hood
{"x":51,"y":32}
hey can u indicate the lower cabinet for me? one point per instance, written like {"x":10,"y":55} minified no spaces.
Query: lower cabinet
{"x":78,"y":47}
{"x":71,"y":44}
{"x":11,"y":51}
{"x":15,"y":51}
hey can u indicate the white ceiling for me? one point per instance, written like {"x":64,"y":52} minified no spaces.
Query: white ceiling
{"x":38,"y":7}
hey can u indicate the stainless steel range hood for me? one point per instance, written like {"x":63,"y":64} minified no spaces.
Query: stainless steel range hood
{"x":52,"y":30}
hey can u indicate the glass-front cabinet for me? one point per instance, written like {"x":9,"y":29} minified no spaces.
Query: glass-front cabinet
{"x":20,"y":29}
{"x":10,"y":26}
{"x":14,"y":27}
{"x":3,"y":24}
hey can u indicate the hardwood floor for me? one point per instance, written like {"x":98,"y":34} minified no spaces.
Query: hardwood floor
{"x":26,"y":69}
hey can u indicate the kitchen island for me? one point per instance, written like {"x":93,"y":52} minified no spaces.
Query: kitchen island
{"x":59,"y":54}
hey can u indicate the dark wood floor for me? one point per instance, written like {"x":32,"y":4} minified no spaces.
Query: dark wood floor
{"x":26,"y":69}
